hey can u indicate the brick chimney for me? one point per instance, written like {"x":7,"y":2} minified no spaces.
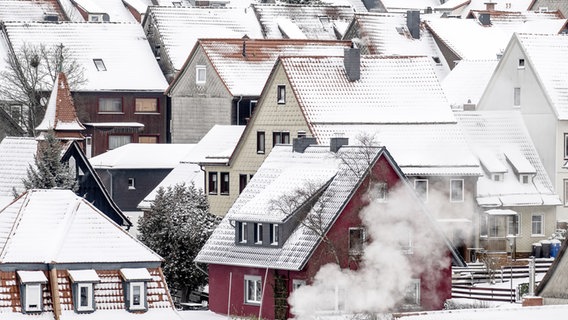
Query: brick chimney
{"x":413,"y":23}
{"x":352,"y":63}
{"x":490,"y":6}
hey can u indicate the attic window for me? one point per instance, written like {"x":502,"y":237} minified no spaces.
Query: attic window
{"x":83,"y":289}
{"x":31,"y":289}
{"x":524,"y":178}
{"x":281,"y":92}
{"x":135,"y":287}
{"x":100,"y":65}
{"x":521,"y":64}
{"x":497,"y":177}
{"x":200,"y":74}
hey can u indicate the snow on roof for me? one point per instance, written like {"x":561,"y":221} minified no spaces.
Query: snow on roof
{"x":32,"y":276}
{"x":66,"y":225}
{"x":131,"y":274}
{"x":387,"y":34}
{"x":452,"y":4}
{"x":387,"y":92}
{"x":403,"y":6}
{"x":60,"y":113}
{"x":227,"y":59}
{"x":315,"y":22}
{"x":419,"y":149}
{"x":503,"y":133}
{"x":289,"y":29}
{"x":18,"y":10}
{"x":16,"y":154}
{"x":116,"y":10}
{"x":89,"y":275}
{"x":550,"y":66}
{"x":129,"y":63}
{"x":137,"y":156}
{"x":180,"y":27}
{"x":122,"y":314}
{"x":139,"y":5}
{"x":503,"y":313}
{"x":357,"y":5}
{"x":468,"y":80}
{"x":90,"y":6}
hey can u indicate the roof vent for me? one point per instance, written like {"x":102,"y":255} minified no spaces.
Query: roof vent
{"x":51,"y":17}
{"x":413,"y":23}
{"x":352,"y":63}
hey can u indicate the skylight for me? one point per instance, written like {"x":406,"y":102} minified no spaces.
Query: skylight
{"x":100,"y":64}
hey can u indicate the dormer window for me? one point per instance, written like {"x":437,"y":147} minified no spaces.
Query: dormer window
{"x":524,"y":178}
{"x":31,"y":288}
{"x":83,"y":289}
{"x":135,"y":288}
{"x":274,"y":236}
{"x":243,"y":232}
{"x":497,"y":177}
{"x":258,"y":233}
{"x":100,"y":65}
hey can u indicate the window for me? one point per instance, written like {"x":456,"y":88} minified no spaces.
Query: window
{"x":253,"y":289}
{"x":31,"y":290}
{"x":260,"y":142}
{"x":131,"y":184}
{"x":33,"y":297}
{"x":281,"y":94}
{"x":566,"y":146}
{"x":497,"y":226}
{"x":517,"y":97}
{"x":258,"y":233}
{"x":274,"y":236}
{"x":135,"y":287}
{"x":524,"y":178}
{"x":537,"y":225}
{"x":497,"y":177}
{"x":111,"y":105}
{"x":280,"y":138}
{"x":513,"y":225}
{"x":146,"y":105}
{"x":296,"y":283}
{"x":521,"y":64}
{"x":242,"y":182}
{"x":100,"y":65}
{"x":356,"y":241}
{"x":421,"y":187}
{"x":456,"y":190}
{"x":566,"y":193}
{"x":243,"y":232}
{"x":379,"y":192}
{"x":301,"y":134}
{"x":412,"y":294}
{"x":200,"y":74}
{"x":83,"y":282}
{"x":115,"y":141}
{"x":85,"y":297}
{"x":147,"y":139}
{"x":213,"y":182}
{"x":136,"y":296}
{"x":483,"y":225}
{"x":224,"y":183}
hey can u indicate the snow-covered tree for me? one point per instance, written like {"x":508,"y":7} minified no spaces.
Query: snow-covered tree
{"x":176,"y":227}
{"x":48,"y":171}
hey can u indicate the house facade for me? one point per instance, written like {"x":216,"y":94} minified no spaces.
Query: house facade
{"x":261,"y":253}
{"x":117,"y":278}
{"x":526,"y":80}
{"x":221,"y":81}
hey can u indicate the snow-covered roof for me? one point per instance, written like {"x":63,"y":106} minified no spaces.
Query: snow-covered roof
{"x":514,"y":312}
{"x":132,"y":274}
{"x":464,"y":7}
{"x":31,"y":276}
{"x":419,"y":149}
{"x":60,"y":114}
{"x":66,"y":225}
{"x":311,"y":22}
{"x":387,"y":34}
{"x":88,"y":275}
{"x":467,"y":81}
{"x":504,"y":135}
{"x":215,"y":147}
{"x":16,"y":154}
{"x":142,"y":156}
{"x":180,"y":27}
{"x":403,"y":6}
{"x":400,"y":90}
{"x":19,"y":10}
{"x":226,"y":56}
{"x":115,"y":9}
{"x":129,"y":64}
{"x":469,"y":39}
{"x":550,"y":66}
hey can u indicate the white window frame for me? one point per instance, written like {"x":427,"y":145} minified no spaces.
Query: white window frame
{"x":131,"y":185}
{"x":452,"y":199}
{"x":200,"y":74}
{"x":89,"y":306}
{"x":118,"y":140}
{"x":142,"y":298}
{"x":274,"y":236}
{"x":423,"y":196}
{"x":33,"y":291}
{"x":565,"y":146}
{"x":541,"y":222}
{"x":566,"y":192}
{"x":497,"y":177}
{"x":256,"y":297}
{"x":99,"y":64}
{"x":519,"y":224}
{"x":259,"y":236}
{"x":522,"y":178}
{"x":281,"y":94}
{"x":244,"y":232}
{"x":380,"y":191}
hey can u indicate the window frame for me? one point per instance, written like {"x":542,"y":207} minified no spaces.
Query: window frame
{"x":521,"y":63}
{"x":516,"y":96}
{"x":256,"y":299}
{"x":413,"y":286}
{"x":462,"y":190}
{"x":243,"y":232}
{"x":200,"y":69}
{"x":541,"y":223}
{"x":224,"y":186}
{"x":565,"y":146}
{"x":90,"y":297}
{"x":213,"y":183}
{"x":142,"y":295}
{"x":281,"y":94}
{"x":116,"y":136}
{"x":153,"y":137}
{"x":156,"y":110}
{"x":566,"y":192}
{"x":243,"y":181}
{"x":510,"y":219}
{"x":380,"y":191}
{"x":99,"y":64}
{"x":131,"y":185}
{"x":258,"y":233}
{"x":111,"y":99}
{"x":297,"y":283}
{"x":260,"y":142}
{"x":422,"y":195}
{"x":274,"y":234}
{"x":278,"y":137}
{"x":26,"y":305}
{"x":361,"y":241}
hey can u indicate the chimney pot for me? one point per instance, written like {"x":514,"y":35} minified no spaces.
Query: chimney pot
{"x":413,"y":23}
{"x":490,"y":6}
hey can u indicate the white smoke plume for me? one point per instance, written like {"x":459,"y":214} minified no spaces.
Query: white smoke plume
{"x":389,"y":265}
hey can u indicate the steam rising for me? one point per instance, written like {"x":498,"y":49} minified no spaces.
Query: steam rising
{"x":402,"y":245}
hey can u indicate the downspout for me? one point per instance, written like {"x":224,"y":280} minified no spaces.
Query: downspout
{"x":54,"y":286}
{"x":238,"y":109}
{"x":229,"y":300}
{"x":262,"y":298}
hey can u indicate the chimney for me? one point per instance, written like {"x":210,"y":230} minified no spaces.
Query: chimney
{"x":490,"y":6}
{"x":336,"y":143}
{"x":352,"y":63}
{"x":485,"y":19}
{"x":413,"y":23}
{"x":299,"y":145}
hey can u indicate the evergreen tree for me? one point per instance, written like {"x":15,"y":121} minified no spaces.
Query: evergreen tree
{"x":176,"y":227}
{"x":49,"y":172}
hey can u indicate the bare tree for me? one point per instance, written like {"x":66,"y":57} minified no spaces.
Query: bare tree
{"x":29,"y":76}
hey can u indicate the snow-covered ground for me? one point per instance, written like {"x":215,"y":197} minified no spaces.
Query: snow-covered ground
{"x":200,"y":315}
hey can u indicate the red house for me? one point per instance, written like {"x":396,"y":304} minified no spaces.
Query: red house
{"x":311,"y":205}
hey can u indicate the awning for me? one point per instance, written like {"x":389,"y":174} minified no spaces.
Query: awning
{"x":501,"y":212}
{"x":32,"y":277}
{"x":133,"y":274}
{"x":89,"y":275}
